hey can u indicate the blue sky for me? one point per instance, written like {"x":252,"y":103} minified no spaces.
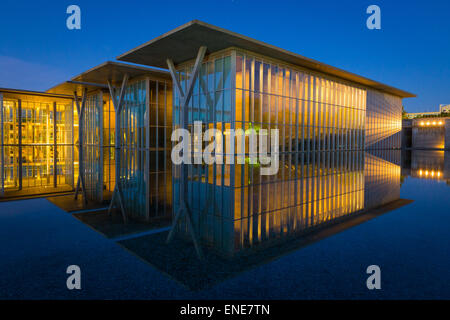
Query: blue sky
{"x":411,"y":51}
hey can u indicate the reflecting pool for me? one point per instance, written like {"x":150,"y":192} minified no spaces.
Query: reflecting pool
{"x":310,"y":232}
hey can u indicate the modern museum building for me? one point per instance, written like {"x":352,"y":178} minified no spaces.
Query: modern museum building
{"x":105,"y":136}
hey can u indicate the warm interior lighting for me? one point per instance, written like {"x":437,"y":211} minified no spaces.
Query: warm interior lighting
{"x":420,"y":172}
{"x":422,"y":123}
{"x":440,"y":123}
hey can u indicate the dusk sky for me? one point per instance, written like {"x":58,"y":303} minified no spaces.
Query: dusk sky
{"x":411,"y":51}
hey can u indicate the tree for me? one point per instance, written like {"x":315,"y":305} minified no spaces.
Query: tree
{"x":404,"y":113}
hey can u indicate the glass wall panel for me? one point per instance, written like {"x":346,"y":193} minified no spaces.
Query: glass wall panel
{"x":132,"y":152}
{"x":145,"y":170}
{"x":321,"y":123}
{"x":383,"y":121}
{"x":37,"y":145}
{"x":93,"y":146}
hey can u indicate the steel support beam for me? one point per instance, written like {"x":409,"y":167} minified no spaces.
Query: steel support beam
{"x":117,"y":103}
{"x":80,"y":110}
{"x":185,"y":97}
{"x":2,"y":152}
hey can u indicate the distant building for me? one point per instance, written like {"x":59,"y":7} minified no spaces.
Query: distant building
{"x":426,"y":133}
{"x":422,"y":114}
{"x":442,"y":108}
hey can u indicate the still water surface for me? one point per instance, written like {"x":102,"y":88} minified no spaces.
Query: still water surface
{"x":393,"y":211}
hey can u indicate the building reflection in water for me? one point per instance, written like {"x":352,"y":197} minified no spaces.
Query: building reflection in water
{"x":247,"y":219}
{"x":241,"y":209}
{"x":426,"y":164}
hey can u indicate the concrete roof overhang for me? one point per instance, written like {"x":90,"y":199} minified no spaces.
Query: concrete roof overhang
{"x":34,"y":95}
{"x":114,"y":72}
{"x":69,"y":87}
{"x":182,"y":44}
{"x":97,"y":78}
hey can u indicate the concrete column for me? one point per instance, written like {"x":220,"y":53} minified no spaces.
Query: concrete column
{"x":447,"y":134}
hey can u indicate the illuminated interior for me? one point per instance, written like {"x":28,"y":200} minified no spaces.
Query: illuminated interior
{"x":37,"y":134}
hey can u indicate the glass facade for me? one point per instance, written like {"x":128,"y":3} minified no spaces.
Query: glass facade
{"x":383,"y":121}
{"x":146,"y":170}
{"x":312,"y":112}
{"x":37,"y":144}
{"x":322,"y":138}
{"x":93,"y":146}
{"x":98,"y":146}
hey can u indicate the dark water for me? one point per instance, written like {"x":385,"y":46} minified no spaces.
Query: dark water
{"x":322,"y":258}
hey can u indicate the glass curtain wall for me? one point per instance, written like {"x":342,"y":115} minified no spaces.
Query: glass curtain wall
{"x":240,"y":90}
{"x":160,"y":147}
{"x":11,"y":144}
{"x":146,"y":171}
{"x":93,"y":146}
{"x":37,"y":146}
{"x":109,"y":131}
{"x":383,"y":121}
{"x":210,"y":187}
{"x":99,"y":162}
{"x":133,"y":152}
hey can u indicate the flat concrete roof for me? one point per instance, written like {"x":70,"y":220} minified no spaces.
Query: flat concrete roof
{"x":97,"y":77}
{"x":33,"y":95}
{"x":182,"y":44}
{"x":69,"y":87}
{"x":114,"y":71}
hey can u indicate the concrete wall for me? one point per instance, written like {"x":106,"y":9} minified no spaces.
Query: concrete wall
{"x":447,"y":134}
{"x":406,"y":134}
{"x":430,"y":133}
